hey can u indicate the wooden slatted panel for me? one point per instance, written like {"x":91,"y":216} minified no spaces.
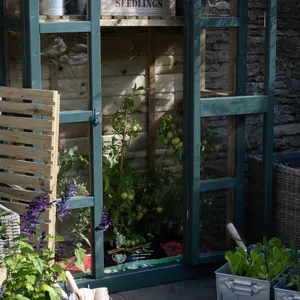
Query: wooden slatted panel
{"x":29,"y":123}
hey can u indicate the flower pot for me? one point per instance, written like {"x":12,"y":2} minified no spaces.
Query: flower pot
{"x":283,"y":293}
{"x":52,"y":7}
{"x":233,"y":287}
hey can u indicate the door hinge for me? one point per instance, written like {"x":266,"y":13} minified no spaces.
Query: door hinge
{"x":97,"y":116}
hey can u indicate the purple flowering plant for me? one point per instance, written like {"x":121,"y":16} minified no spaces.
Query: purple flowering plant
{"x":31,"y":269}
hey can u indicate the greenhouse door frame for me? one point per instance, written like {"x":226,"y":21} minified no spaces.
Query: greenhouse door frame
{"x":31,"y":28}
{"x":237,"y":107}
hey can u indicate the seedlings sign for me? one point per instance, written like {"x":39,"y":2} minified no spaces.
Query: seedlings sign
{"x":138,"y":7}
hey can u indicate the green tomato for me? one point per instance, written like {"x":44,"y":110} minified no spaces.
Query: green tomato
{"x":159,"y":209}
{"x":176,"y":141}
{"x":204,"y":142}
{"x":134,"y":128}
{"x":139,"y":207}
{"x":217,"y":148}
{"x":180,"y":145}
{"x":130,"y":197}
{"x":166,"y":141}
{"x":169,"y":135}
{"x":124,"y":195}
{"x":144,"y":210}
{"x":173,"y":126}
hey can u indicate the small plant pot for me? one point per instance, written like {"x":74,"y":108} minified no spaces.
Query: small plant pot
{"x":52,"y":7}
{"x":233,"y":287}
{"x":281,"y":291}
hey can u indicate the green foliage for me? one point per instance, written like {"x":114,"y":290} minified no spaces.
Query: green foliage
{"x":71,"y":165}
{"x":31,"y":273}
{"x":265,"y":261}
{"x":141,"y":205}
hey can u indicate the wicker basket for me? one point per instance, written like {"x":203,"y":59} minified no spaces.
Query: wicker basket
{"x":286,"y":200}
{"x":11,"y":221}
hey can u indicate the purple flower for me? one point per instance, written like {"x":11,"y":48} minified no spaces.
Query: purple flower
{"x":105,"y":222}
{"x":62,"y":209}
{"x":3,"y":288}
{"x":30,"y":218}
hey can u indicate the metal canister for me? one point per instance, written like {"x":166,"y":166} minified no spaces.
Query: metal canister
{"x":52,"y":7}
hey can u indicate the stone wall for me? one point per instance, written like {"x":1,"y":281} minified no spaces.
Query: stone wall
{"x":287,"y":106}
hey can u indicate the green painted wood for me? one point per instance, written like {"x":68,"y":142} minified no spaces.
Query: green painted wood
{"x":129,"y":280}
{"x":66,"y":117}
{"x":186,"y":138}
{"x":271,"y":27}
{"x":94,"y":48}
{"x":12,"y":23}
{"x":217,"y":184}
{"x":80,"y":202}
{"x":192,"y":130}
{"x":222,"y":22}
{"x":60,"y":27}
{"x":2,"y":49}
{"x":229,"y":106}
{"x":31,"y":48}
{"x":241,"y":80}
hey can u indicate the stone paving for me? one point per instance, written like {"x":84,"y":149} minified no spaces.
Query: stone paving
{"x":196,"y":289}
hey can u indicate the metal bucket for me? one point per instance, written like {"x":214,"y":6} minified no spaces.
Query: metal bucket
{"x":281,"y":293}
{"x":81,"y":7}
{"x":52,"y":7}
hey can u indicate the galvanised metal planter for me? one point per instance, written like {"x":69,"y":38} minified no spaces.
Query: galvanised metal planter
{"x":282,"y":292}
{"x":233,"y":287}
{"x":52,"y":7}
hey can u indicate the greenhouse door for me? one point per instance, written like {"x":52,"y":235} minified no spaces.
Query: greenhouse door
{"x":235,"y":105}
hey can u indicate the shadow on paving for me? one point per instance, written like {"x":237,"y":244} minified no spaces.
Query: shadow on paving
{"x":201,"y":288}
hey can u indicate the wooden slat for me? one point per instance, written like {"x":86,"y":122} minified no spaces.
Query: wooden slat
{"x":25,"y":123}
{"x":26,"y":138}
{"x":17,"y":193}
{"x":19,"y":208}
{"x":22,"y":152}
{"x":26,"y":108}
{"x":151,"y":97}
{"x":24,"y":166}
{"x":27,"y":94}
{"x":21,"y":180}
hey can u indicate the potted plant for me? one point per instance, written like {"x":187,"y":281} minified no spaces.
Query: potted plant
{"x":253,"y":273}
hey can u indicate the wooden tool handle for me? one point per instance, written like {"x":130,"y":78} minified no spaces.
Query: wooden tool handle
{"x":235,"y":235}
{"x":71,"y":282}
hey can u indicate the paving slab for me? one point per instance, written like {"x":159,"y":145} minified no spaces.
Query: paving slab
{"x":196,"y":289}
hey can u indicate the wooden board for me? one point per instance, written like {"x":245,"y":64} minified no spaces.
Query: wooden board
{"x":138,"y":7}
{"x":28,"y":159}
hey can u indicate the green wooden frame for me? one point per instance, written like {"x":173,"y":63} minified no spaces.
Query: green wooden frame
{"x":195,"y":107}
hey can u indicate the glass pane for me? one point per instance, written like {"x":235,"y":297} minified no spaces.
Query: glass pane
{"x":14,"y":59}
{"x":145,"y":207}
{"x":254,"y":197}
{"x":11,"y":7}
{"x":215,"y":136}
{"x":65,"y":69}
{"x":214,"y":209}
{"x":217,"y":73}
{"x":74,"y":228}
{"x":215,"y":8}
{"x":74,"y":157}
